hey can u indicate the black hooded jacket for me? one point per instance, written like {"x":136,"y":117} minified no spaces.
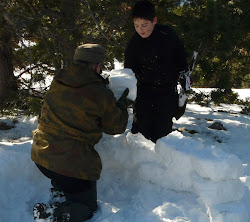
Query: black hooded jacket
{"x":156,"y":60}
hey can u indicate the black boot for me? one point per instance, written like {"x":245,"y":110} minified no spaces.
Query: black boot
{"x":41,"y":211}
{"x":68,"y":211}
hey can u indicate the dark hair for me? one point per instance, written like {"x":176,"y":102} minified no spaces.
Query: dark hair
{"x":144,"y":9}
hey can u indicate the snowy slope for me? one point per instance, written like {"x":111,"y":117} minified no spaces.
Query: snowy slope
{"x":200,"y":177}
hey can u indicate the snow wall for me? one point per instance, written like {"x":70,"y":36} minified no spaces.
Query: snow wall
{"x":178,"y":163}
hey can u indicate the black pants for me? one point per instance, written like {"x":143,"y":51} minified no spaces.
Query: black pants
{"x":153,"y":113}
{"x":75,"y":190}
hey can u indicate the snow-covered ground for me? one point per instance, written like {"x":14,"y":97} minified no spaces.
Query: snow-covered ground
{"x":194,"y":174}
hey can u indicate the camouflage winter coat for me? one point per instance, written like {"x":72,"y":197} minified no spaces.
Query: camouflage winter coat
{"x":77,"y":109}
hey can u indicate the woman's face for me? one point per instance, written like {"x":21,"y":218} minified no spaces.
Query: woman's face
{"x":144,"y":27}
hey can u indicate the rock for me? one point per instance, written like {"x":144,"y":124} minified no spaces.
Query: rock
{"x":217,"y":126}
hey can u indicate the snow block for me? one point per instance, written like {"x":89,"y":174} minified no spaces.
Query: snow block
{"x":175,"y":147}
{"x":108,"y":147}
{"x":212,"y":174}
{"x":214,"y":193}
{"x":164,"y":177}
{"x":141,"y":150}
{"x":156,"y":169}
{"x":216,"y":165}
{"x":121,"y":79}
{"x":174,"y":151}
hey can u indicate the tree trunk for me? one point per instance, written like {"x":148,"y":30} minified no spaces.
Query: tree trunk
{"x":69,"y":11}
{"x":8,"y":81}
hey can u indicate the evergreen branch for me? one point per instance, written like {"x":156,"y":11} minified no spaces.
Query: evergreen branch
{"x":43,"y":36}
{"x":7,"y":16}
{"x":33,"y":90}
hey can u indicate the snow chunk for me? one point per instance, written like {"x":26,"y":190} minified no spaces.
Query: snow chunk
{"x":121,"y":79}
{"x":169,"y":212}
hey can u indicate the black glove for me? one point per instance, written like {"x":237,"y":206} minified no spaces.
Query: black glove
{"x":124,"y":102}
{"x":124,"y":94}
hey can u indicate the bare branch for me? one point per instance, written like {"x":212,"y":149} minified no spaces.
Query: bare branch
{"x":8,"y":18}
{"x":96,"y":22}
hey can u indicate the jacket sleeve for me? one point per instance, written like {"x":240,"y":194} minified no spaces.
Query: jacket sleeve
{"x":114,"y":120}
{"x":129,"y":60}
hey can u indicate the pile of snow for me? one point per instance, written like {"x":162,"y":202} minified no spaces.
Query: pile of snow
{"x":183,"y":177}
